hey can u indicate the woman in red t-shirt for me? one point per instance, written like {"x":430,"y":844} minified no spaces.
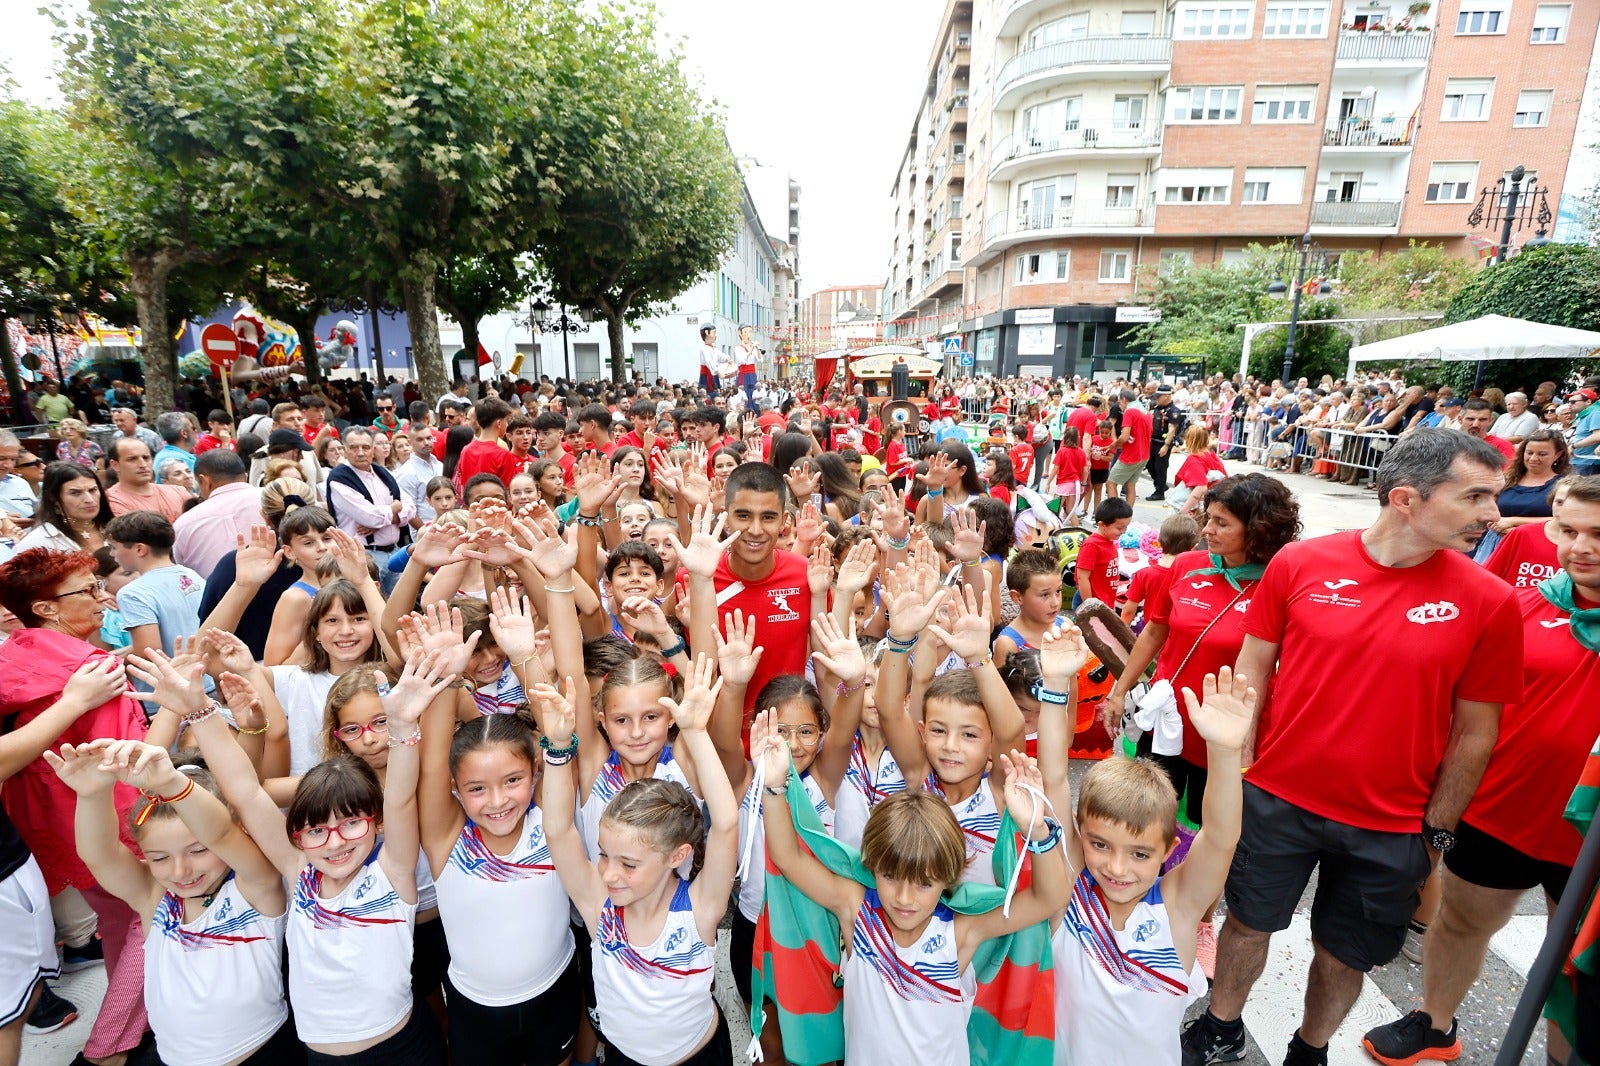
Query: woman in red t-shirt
{"x":1203,"y":467}
{"x":1527,"y":555}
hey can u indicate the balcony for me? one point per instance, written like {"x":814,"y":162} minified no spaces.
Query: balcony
{"x":1012,"y":153}
{"x":1015,"y":14}
{"x":1090,"y":57}
{"x":1365,"y":133}
{"x":1359,"y":48}
{"x":1355,"y":214}
{"x":1007,"y":228}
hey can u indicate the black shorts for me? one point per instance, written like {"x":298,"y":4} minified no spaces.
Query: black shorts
{"x":430,"y":958}
{"x":1369,"y":882}
{"x":1489,"y":862}
{"x":418,"y":1043}
{"x":282,"y":1048}
{"x":717,"y":1052}
{"x":1188,"y":779}
{"x":537,"y":1032}
{"x":1099,"y":477}
{"x":741,"y":946}
{"x":585,"y":945}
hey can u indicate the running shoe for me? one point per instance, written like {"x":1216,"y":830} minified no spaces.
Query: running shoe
{"x":50,"y":1013}
{"x":1412,"y":948}
{"x":1412,"y":1039}
{"x":1205,"y":949}
{"x":1206,"y":1041}
{"x":75,"y":959}
{"x":1301,"y":1053}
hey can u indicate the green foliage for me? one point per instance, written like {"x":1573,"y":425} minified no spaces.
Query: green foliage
{"x":473,"y":287}
{"x":1417,"y":279}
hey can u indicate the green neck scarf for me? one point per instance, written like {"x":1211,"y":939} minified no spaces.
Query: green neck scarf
{"x":1231,"y":574}
{"x":1585,"y":621}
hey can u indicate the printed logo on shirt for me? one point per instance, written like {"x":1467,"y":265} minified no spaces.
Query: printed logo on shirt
{"x":933,"y":943}
{"x":676,"y":938}
{"x":1332,"y":598}
{"x":1242,"y":606}
{"x":367,"y":884}
{"x":1197,"y":585}
{"x":1146,"y":930}
{"x":1530,"y":574}
{"x":222,"y":910}
{"x":1440,"y":611}
{"x":1555,"y":622}
{"x":1342,"y":583}
{"x":780,"y":605}
{"x":1197,"y":604}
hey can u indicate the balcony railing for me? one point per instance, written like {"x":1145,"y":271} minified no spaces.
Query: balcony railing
{"x":1374,"y":46}
{"x":1368,"y":133}
{"x":1094,"y":52}
{"x":1029,"y":144}
{"x":1003,"y":223}
{"x":1355,"y":212}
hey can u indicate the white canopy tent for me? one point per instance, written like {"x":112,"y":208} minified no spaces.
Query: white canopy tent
{"x":1491,"y":337}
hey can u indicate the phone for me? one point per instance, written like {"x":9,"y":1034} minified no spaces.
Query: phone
{"x":816,"y":501}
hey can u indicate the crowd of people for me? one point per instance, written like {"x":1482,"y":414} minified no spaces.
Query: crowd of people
{"x":366,"y":730}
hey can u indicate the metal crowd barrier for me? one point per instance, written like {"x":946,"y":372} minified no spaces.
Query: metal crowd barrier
{"x":1339,"y":454}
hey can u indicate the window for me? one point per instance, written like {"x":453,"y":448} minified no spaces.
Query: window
{"x":1533,"y":107}
{"x":1116,"y":265}
{"x":1071,"y":28}
{"x":1295,"y":18}
{"x":1043,"y":125}
{"x":1467,"y":99}
{"x":1037,"y":267}
{"x":1202,"y":103}
{"x":1200,"y":21}
{"x":1450,"y":183}
{"x":1127,"y":113}
{"x":1550,"y":23}
{"x":1284,"y":103}
{"x":1482,"y":17}
{"x":1121,"y":189}
{"x":1174,"y":261}
{"x":1273,"y":185}
{"x":1235,"y":258}
{"x":1138,"y":23}
{"x":1195,"y":185}
{"x":1063,"y":260}
{"x":1530,"y":182}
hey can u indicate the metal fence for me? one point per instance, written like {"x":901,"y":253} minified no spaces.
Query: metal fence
{"x":1342,"y":455}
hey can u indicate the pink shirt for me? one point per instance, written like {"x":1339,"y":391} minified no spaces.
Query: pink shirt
{"x":209,"y":530}
{"x":166,"y":500}
{"x":353,"y":510}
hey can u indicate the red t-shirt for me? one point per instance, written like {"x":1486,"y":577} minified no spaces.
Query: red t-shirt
{"x":1001,"y":493}
{"x":771,"y":421}
{"x":1084,"y":420}
{"x":1524,"y":557}
{"x":1098,"y":558}
{"x":1069,"y":465}
{"x":1354,"y":736}
{"x":1022,"y":462}
{"x":895,"y":459}
{"x":485,"y":457}
{"x":1106,"y":446}
{"x":1503,"y":446}
{"x":1136,"y":423}
{"x":206,"y":441}
{"x":1146,"y":583}
{"x":781,"y":607}
{"x":1543,"y":741}
{"x":1186,"y":605}
{"x":438,"y":444}
{"x":1194,"y":469}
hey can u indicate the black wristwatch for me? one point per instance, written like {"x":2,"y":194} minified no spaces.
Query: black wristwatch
{"x":1438,"y":839}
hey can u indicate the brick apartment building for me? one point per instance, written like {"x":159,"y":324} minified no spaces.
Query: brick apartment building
{"x":1100,"y":139}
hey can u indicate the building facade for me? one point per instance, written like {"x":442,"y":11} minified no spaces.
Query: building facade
{"x":844,"y":316}
{"x":1107,"y":141}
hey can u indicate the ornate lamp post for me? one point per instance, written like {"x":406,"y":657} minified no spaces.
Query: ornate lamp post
{"x":564,"y":324}
{"x":1278,"y":290}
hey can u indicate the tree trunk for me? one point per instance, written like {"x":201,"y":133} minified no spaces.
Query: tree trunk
{"x":304,"y":324}
{"x":147,"y":278}
{"x":469,"y":338}
{"x":422,"y":311}
{"x":619,"y":366}
{"x":8,"y":360}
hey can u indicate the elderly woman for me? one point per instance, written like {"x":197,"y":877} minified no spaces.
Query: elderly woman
{"x":55,"y":674}
{"x":76,"y":447}
{"x":176,"y":472}
{"x":73,"y":511}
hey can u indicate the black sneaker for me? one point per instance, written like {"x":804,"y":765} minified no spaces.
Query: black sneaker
{"x":1156,"y":496}
{"x":1412,"y":1039}
{"x":91,"y":954}
{"x":1301,"y":1053}
{"x":1206,"y":1041}
{"x":50,"y":1013}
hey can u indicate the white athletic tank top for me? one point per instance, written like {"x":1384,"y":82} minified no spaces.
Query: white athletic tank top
{"x":489,"y":902}
{"x":427,"y":894}
{"x":607,"y":783}
{"x":304,"y":698}
{"x":349,"y":957}
{"x":1121,"y":994}
{"x":753,"y":887}
{"x":862,"y":789}
{"x":905,"y":1004}
{"x":980,"y":824}
{"x":654,"y":1001}
{"x":231,"y":950}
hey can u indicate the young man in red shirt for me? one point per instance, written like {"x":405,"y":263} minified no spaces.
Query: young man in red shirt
{"x":594,"y":429}
{"x":1476,"y":418}
{"x":519,"y":434}
{"x":1359,"y":772}
{"x":485,"y":454}
{"x":548,"y":430}
{"x":1097,"y":569}
{"x":1135,"y":453}
{"x":1512,"y":836}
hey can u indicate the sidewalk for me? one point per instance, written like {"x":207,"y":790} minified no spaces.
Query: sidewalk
{"x":1325,"y":507}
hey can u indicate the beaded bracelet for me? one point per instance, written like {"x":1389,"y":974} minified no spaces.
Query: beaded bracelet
{"x":844,"y":688}
{"x":561,"y":755}
{"x":896,"y":642}
{"x":251,"y":732}
{"x":405,"y":742}
{"x":987,"y":660}
{"x":209,"y":710}
{"x":898,"y":545}
{"x":592,"y":521}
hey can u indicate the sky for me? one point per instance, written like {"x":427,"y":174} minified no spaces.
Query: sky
{"x":825,"y":90}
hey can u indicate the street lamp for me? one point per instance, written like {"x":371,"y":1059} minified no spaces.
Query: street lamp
{"x":562,"y":323}
{"x":1513,"y":205}
{"x":1278,"y":290}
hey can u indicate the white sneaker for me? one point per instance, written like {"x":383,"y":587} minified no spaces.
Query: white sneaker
{"x":1412,"y":948}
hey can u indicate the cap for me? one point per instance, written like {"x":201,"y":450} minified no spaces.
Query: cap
{"x":286,"y":438}
{"x":1163,"y":390}
{"x":1585,"y":394}
{"x":1452,"y":401}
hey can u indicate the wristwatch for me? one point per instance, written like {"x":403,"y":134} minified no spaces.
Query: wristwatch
{"x":1438,"y":839}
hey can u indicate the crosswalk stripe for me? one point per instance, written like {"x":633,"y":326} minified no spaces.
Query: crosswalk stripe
{"x":1272,"y":1013}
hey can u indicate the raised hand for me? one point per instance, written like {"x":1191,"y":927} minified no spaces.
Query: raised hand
{"x":1022,"y":772}
{"x":440,"y":544}
{"x":180,"y":691}
{"x":770,"y":749}
{"x":1063,"y":652}
{"x":925,"y":565}
{"x":646,"y":615}
{"x":147,"y":767}
{"x":668,"y":474}
{"x":552,"y":555}
{"x":558,"y":716}
{"x":225,"y":651}
{"x":700,"y":688}
{"x":1226,"y":714}
{"x":967,"y":533}
{"x":256,"y":559}
{"x":838,"y":650}
{"x":856,"y":568}
{"x":968,"y":636}
{"x":98,"y":681}
{"x":422,"y":679}
{"x":79,"y":768}
{"x":737,"y":654}
{"x":351,"y":557}
{"x":938,"y":469}
{"x":242,"y":701}
{"x":440,"y":630}
{"x":819,"y":569}
{"x":696,"y":481}
{"x":894,"y":519}
{"x":909,"y":610}
{"x":594,"y":483}
{"x":511,"y":625}
{"x":705,"y":548}
{"x":802,"y":481}
{"x":808,"y":528}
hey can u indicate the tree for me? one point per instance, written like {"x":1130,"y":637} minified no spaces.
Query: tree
{"x":1419,"y":278}
{"x":658,"y":200}
{"x":473,"y":287}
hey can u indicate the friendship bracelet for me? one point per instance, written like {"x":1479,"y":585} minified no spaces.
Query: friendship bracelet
{"x":898,"y":545}
{"x":987,"y":660}
{"x":155,"y":800}
{"x":209,"y":710}
{"x":896,"y":642}
{"x":405,"y":742}
{"x":569,"y":588}
{"x":592,"y":521}
{"x":251,"y":732}
{"x":845,"y":688}
{"x":546,"y":746}
{"x":523,"y":665}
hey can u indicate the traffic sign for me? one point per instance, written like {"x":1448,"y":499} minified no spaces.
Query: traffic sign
{"x":219,"y":344}
{"x":952,"y":346}
{"x":966,"y":359}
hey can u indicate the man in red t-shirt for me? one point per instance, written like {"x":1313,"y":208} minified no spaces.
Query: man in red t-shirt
{"x":484,"y":454}
{"x":1085,"y":418}
{"x":1135,"y":442}
{"x":549,"y":429}
{"x":1363,"y":766}
{"x":1096,"y":570}
{"x":1512,"y":836}
{"x":1476,"y":418}
{"x":642,"y":414}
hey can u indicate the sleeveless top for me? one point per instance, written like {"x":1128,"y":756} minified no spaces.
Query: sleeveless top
{"x":503,"y":696}
{"x":303,"y":695}
{"x":230,"y":949}
{"x":349,"y":956}
{"x":905,"y":1004}
{"x":654,"y":1001}
{"x":1121,"y":994}
{"x":489,"y":901}
{"x":607,"y":783}
{"x":863,"y":788}
{"x":305,"y":586}
{"x":980,"y":824}
{"x":1022,"y":642}
{"x":753,"y":888}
